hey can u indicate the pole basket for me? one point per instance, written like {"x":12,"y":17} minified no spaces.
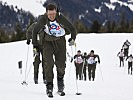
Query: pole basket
{"x":24,"y":83}
{"x":20,"y":64}
{"x":78,"y":93}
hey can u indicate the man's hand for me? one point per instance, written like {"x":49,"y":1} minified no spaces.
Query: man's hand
{"x":28,"y":42}
{"x":35,"y":52}
{"x":99,"y":61}
{"x":71,"y":42}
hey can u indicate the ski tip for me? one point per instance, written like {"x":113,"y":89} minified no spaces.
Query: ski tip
{"x":78,"y":93}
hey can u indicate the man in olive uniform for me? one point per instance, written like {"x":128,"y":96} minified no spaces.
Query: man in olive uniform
{"x":125,"y":47}
{"x":37,"y":53}
{"x":130,"y":64}
{"x":54,"y":26}
{"x":92,"y":64}
{"x":84,"y":65}
{"x":78,"y":61}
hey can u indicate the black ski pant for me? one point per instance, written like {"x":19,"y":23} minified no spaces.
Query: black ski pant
{"x":79,"y":70}
{"x":84,"y":72}
{"x":37,"y":62}
{"x":121,"y":61}
{"x":91,"y":71}
{"x":126,"y":52}
{"x":54,"y":54}
{"x":130,"y":68}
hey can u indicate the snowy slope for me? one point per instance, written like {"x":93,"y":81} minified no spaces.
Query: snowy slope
{"x":34,"y":6}
{"x":111,"y":83}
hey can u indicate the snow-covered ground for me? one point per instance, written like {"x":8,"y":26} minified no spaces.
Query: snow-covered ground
{"x":111,"y":83}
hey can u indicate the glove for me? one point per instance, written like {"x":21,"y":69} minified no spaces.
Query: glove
{"x":28,"y":42}
{"x":35,"y":52}
{"x":71,"y":42}
{"x":71,"y":59}
{"x":99,"y":61}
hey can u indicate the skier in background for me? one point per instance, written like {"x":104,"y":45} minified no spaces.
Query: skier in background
{"x":130,"y":63}
{"x":84,"y":65}
{"x":78,"y":61}
{"x":37,"y":53}
{"x":92,"y":64}
{"x":125,"y":47}
{"x":121,"y":57}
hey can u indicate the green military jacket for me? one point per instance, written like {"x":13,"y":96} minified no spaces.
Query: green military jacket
{"x":29,"y":31}
{"x":40,"y":26}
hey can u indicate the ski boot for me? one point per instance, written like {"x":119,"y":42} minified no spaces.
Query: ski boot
{"x":60,"y":83}
{"x":35,"y":81}
{"x":49,"y":89}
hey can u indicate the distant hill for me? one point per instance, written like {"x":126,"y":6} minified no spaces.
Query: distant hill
{"x":89,"y":10}
{"x":88,"y":16}
{"x":10,"y":16}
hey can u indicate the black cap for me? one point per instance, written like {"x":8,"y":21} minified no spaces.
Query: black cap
{"x":85,"y":53}
{"x":92,"y":51}
{"x":78,"y":51}
{"x":51,"y":7}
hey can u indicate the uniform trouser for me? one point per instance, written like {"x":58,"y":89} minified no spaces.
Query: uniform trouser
{"x":91,"y":71}
{"x":78,"y":70}
{"x":55,"y":53}
{"x":130,"y":67}
{"x":126,"y":52}
{"x":84,"y":72}
{"x":121,"y":61}
{"x":37,"y":62}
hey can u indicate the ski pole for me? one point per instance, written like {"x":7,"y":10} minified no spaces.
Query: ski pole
{"x":70,"y":58}
{"x":101,"y":72}
{"x":24,"y":82}
{"x":30,"y":68}
{"x":28,"y":72}
{"x":83,"y":67}
{"x":77,"y":93}
{"x":58,"y":4}
{"x":75,"y":71}
{"x":20,"y":66}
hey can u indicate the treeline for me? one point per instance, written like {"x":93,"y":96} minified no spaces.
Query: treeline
{"x":13,"y":28}
{"x":16,"y":34}
{"x":13,"y":23}
{"x":10,"y":36}
{"x":123,"y":26}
